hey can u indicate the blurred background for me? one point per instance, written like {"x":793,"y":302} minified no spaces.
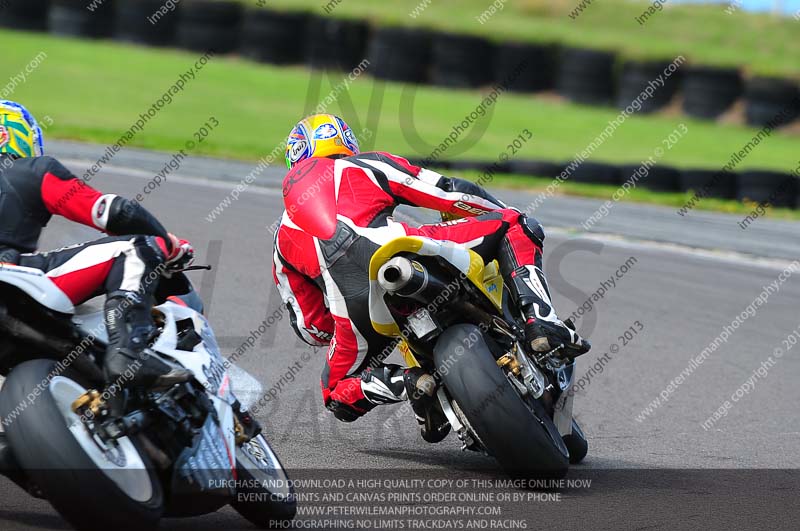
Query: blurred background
{"x":407,"y":74}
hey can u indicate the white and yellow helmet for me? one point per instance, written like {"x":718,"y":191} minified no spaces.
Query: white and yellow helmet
{"x":320,"y":135}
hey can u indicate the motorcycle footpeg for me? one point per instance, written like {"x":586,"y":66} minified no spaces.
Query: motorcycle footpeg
{"x":426,"y":385}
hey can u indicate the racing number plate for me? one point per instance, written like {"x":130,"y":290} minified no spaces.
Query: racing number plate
{"x":421,"y":323}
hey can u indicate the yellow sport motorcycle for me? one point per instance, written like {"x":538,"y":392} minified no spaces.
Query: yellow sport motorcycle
{"x":454,"y":319}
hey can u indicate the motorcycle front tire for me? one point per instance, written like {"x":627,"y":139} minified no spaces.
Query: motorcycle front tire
{"x":54,"y":449}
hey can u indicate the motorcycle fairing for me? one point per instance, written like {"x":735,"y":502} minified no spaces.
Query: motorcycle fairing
{"x":467,"y":261}
{"x":205,"y":361}
{"x":38,"y":286}
{"x":207,"y":468}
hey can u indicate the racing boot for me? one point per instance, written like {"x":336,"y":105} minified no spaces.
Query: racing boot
{"x":544,"y":331}
{"x":383,"y":384}
{"x":130,"y":330}
{"x":388,"y":383}
{"x":421,"y":391}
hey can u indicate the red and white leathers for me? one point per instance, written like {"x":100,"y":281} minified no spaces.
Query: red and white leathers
{"x":325,"y":283}
{"x":35,"y":189}
{"x":32,"y":190}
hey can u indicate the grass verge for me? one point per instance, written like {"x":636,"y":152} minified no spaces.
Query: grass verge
{"x":95,"y":91}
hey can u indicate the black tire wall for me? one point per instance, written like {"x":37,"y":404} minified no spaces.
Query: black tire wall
{"x":637,"y":76}
{"x":779,"y":189}
{"x":208,"y":25}
{"x":400,"y":54}
{"x":525,"y":67}
{"x":586,"y":76}
{"x":25,"y":15}
{"x":711,"y":183}
{"x":596,"y":172}
{"x":658,"y":178}
{"x":461,"y":61}
{"x":336,"y":44}
{"x":709,"y":91}
{"x":771,"y":101}
{"x":488,"y":169}
{"x":536,"y":168}
{"x":70,"y":18}
{"x":421,"y":56}
{"x":271,"y":36}
{"x":140,"y":21}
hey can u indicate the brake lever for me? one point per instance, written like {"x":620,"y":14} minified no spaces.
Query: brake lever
{"x":193,"y":268}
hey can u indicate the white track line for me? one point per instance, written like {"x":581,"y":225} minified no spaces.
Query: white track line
{"x":718,"y":255}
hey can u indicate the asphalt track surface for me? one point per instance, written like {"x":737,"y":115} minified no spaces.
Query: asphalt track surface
{"x":664,"y":471}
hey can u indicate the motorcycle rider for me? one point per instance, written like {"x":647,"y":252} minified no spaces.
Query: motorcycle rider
{"x":33,"y":188}
{"x":325,"y":285}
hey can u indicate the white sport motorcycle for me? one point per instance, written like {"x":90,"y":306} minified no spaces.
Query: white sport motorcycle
{"x":108,"y":457}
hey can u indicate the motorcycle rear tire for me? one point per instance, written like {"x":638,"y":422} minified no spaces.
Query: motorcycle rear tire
{"x":506,"y":426}
{"x":59,"y":466}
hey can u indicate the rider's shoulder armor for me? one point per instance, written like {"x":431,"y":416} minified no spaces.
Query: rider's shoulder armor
{"x":23,"y":213}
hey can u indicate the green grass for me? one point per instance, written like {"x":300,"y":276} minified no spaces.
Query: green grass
{"x":636,"y":195}
{"x":94,"y":91}
{"x":703,"y":33}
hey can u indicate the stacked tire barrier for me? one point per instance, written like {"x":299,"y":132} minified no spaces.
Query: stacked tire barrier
{"x":659,"y":178}
{"x":716,"y":184}
{"x":400,"y":54}
{"x":758,"y":186}
{"x":635,"y":78}
{"x":590,"y":77}
{"x":271,"y":37}
{"x":709,"y":92}
{"x":26,"y":14}
{"x":776,"y":188}
{"x":538,"y":66}
{"x":66,"y":17}
{"x":768,"y":98}
{"x":209,"y":26}
{"x":587,"y":76}
{"x":421,"y":56}
{"x":596,"y":173}
{"x":337,"y":44}
{"x":133,"y":22}
{"x":461,"y":61}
